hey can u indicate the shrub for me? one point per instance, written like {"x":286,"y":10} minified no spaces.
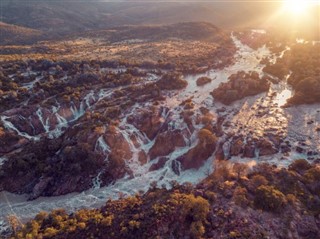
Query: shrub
{"x":107,"y":221}
{"x":211,"y":196}
{"x":206,"y":137}
{"x":240,"y":197}
{"x":257,"y":181}
{"x":221,"y":170}
{"x":269,"y":198}
{"x":312,"y":174}
{"x":50,"y":232}
{"x":240,"y":169}
{"x":300,"y":165}
{"x":192,"y":208}
{"x":291,"y":199}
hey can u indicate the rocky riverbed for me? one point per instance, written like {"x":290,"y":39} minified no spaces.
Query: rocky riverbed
{"x":86,"y":137}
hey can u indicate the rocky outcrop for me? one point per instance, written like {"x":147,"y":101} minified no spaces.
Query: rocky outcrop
{"x":250,"y":147}
{"x":203,"y":81}
{"x":172,"y":81}
{"x":197,"y":155}
{"x":120,"y":149}
{"x":249,"y":150}
{"x":240,"y":85}
{"x":149,"y":121}
{"x":266,"y":147}
{"x":236,"y":147}
{"x":9,"y":141}
{"x":159,"y":164}
{"x":166,"y":143}
{"x":39,"y":188}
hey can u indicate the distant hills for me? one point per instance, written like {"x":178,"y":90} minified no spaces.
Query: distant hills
{"x":82,"y":15}
{"x":11,"y":33}
{"x":59,"y":18}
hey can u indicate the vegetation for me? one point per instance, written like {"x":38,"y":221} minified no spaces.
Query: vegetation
{"x":303,"y":62}
{"x":240,"y":85}
{"x":217,"y":206}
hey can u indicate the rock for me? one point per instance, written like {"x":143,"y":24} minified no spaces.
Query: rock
{"x":249,"y":150}
{"x":236,"y":147}
{"x":172,"y":81}
{"x":196,"y":156}
{"x":275,"y":139}
{"x":285,"y":149}
{"x":219,"y":155}
{"x":161,"y":162}
{"x":142,"y":157}
{"x":266,"y":147}
{"x":175,"y":165}
{"x":70,"y":184}
{"x":203,"y":80}
{"x":40,"y":187}
{"x":240,"y":85}
{"x":299,"y":149}
{"x":119,"y":146}
{"x":10,"y":141}
{"x":166,"y":143}
{"x":149,"y":121}
{"x":307,"y":227}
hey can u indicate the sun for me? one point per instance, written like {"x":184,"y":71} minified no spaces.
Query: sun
{"x":296,"y":6}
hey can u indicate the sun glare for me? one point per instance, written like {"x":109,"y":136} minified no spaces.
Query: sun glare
{"x":297,"y":6}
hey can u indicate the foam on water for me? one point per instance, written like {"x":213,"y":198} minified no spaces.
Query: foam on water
{"x":31,"y":84}
{"x":2,"y":160}
{"x":8,"y":125}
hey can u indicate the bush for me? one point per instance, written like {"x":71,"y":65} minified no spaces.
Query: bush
{"x":211,"y":196}
{"x":291,"y":199}
{"x":257,"y":181}
{"x":299,"y":165}
{"x":221,"y":171}
{"x":269,"y":198}
{"x":206,"y":137}
{"x":313,"y":174}
{"x":240,"y":197}
{"x":240,"y":169}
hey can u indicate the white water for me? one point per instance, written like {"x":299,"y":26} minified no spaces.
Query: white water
{"x":247,"y":59}
{"x":2,"y":160}
{"x":31,"y":84}
{"x":8,"y":125}
{"x":60,"y":112}
{"x":241,"y":113}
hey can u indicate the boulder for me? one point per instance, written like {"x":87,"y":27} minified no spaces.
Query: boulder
{"x":266,"y":147}
{"x":39,"y":188}
{"x":149,"y":121}
{"x":197,"y":155}
{"x":203,"y":80}
{"x":142,"y":157}
{"x":236,"y":147}
{"x":249,"y":150}
{"x":161,"y":162}
{"x":166,"y":143}
{"x":172,"y":81}
{"x":307,"y":227}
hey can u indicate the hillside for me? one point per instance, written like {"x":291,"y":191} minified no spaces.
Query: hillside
{"x":61,"y":18}
{"x":79,"y":15}
{"x":12,"y":33}
{"x":198,"y":31}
